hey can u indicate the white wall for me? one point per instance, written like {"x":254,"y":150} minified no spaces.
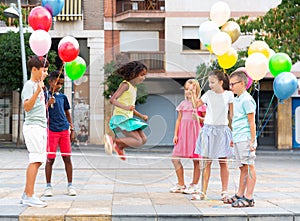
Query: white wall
{"x":179,"y":14}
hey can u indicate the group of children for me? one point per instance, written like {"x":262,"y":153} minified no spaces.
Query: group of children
{"x":47,"y":125}
{"x":202,"y":130}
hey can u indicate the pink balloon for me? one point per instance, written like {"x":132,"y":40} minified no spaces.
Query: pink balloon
{"x":40,"y":42}
{"x":250,"y":80}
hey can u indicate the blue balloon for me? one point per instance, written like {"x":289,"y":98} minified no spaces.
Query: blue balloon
{"x":53,"y":6}
{"x":285,"y":84}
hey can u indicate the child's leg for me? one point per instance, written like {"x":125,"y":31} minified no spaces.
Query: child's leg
{"x":48,"y":169}
{"x":31,"y":173}
{"x":206,"y":175}
{"x":132,"y":139}
{"x":224,"y":173}
{"x":196,"y":173}
{"x":250,"y":182}
{"x":179,"y":171}
{"x":242,"y":182}
{"x":68,"y":168}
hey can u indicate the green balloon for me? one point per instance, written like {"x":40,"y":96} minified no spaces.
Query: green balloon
{"x":76,"y":68}
{"x":279,"y":63}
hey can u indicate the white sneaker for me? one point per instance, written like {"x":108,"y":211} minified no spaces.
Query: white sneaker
{"x":192,"y":189}
{"x":71,"y":191}
{"x":33,"y":201}
{"x":108,"y":144}
{"x":22,"y":198}
{"x":48,"y":192}
{"x":177,"y":189}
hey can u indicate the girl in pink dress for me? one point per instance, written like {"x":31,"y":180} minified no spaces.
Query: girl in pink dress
{"x":187,"y":128}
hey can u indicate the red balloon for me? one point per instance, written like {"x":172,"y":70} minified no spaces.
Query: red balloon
{"x":67,"y":51}
{"x":40,"y":18}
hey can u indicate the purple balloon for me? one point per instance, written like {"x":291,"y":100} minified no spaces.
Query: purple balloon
{"x":53,"y":6}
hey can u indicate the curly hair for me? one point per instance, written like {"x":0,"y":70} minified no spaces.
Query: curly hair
{"x":131,"y":70}
{"x":55,"y":74}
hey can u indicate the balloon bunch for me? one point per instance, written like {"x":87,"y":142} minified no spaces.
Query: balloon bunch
{"x":68,"y":51}
{"x":40,"y":19}
{"x":218,"y":41}
{"x":261,"y":59}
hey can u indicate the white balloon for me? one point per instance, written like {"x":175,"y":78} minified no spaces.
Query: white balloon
{"x":40,"y":42}
{"x":221,"y":43}
{"x":207,"y":30}
{"x":220,"y":13}
{"x":257,"y":66}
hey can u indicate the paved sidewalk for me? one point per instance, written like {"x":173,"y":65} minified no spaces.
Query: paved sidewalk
{"x":138,"y":189}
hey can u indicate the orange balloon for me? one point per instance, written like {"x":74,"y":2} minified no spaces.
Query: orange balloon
{"x":228,"y":59}
{"x":260,"y":47}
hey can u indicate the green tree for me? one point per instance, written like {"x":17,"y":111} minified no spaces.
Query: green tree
{"x":11,"y":73}
{"x":279,"y":28}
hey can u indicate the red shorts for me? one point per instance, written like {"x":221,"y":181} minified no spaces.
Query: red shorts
{"x":61,"y":139}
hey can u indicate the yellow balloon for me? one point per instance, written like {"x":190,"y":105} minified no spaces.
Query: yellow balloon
{"x":260,"y":47}
{"x":233,"y":29}
{"x":228,"y":59}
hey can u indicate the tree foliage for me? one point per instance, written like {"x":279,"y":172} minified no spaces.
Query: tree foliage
{"x":11,"y":74}
{"x":279,"y":28}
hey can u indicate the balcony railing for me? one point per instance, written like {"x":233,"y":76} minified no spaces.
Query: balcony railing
{"x":155,"y":61}
{"x":140,"y":5}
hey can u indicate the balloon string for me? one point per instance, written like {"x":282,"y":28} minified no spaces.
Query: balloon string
{"x":260,"y":131}
{"x":261,"y":122}
{"x":60,"y":71}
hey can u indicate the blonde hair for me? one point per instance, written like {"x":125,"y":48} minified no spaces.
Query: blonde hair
{"x":195,"y":83}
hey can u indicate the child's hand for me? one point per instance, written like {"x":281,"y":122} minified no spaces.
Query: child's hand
{"x":51,"y":100}
{"x":231,"y":143}
{"x":130,"y":108}
{"x":145,"y":117}
{"x":40,"y":86}
{"x":175,"y":139}
{"x":72,"y":135}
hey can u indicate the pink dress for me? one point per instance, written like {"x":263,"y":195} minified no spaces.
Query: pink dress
{"x":188,"y":130}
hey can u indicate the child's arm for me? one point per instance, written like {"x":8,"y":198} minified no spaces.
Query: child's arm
{"x":138,"y":114}
{"x":114,"y":99}
{"x":69,"y":118}
{"x":28,"y":104}
{"x":251,"y":120}
{"x":230,"y":111}
{"x":175,"y":139}
{"x":198,"y":103}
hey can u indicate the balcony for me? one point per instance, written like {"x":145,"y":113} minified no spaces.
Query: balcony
{"x":155,"y":61}
{"x":139,"y":10}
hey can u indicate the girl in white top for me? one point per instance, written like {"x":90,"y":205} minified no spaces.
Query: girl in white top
{"x":215,"y":137}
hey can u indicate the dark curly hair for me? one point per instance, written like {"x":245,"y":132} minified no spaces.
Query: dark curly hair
{"x":131,"y":70}
{"x":55,"y":74}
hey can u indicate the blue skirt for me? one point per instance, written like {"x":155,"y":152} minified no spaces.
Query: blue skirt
{"x":128,"y":124}
{"x":214,"y":142}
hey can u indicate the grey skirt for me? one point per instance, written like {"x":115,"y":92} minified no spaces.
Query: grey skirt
{"x":214,"y":142}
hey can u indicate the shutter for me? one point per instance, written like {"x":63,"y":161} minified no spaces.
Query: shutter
{"x":71,"y":11}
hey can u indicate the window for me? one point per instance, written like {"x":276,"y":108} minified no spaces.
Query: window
{"x":191,"y":40}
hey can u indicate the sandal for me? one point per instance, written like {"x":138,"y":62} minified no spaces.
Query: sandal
{"x":232,"y":199}
{"x":224,"y":196}
{"x":200,"y":196}
{"x":243,"y":202}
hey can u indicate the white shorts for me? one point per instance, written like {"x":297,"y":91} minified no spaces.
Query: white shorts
{"x":36,"y":141}
{"x":243,"y":154}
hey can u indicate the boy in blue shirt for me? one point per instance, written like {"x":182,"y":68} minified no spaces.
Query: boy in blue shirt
{"x":61,"y":131}
{"x":244,"y":139}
